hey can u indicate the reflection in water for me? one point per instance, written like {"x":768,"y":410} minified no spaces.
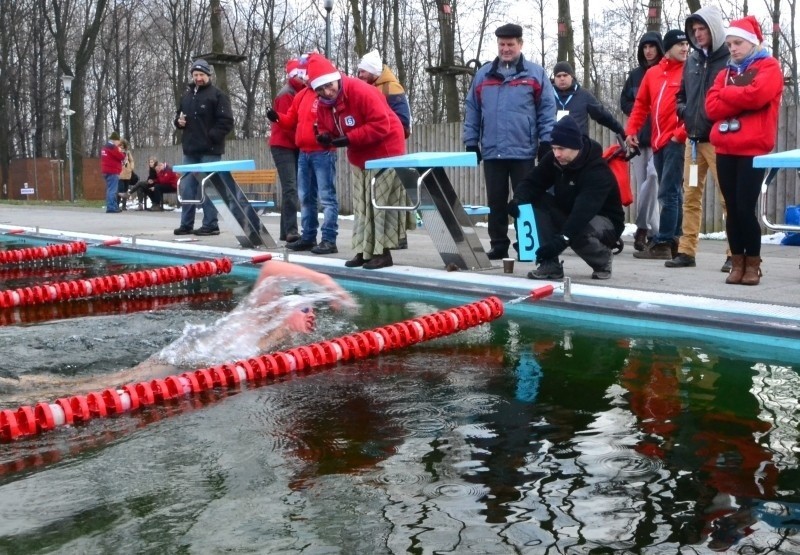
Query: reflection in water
{"x":513,"y":437}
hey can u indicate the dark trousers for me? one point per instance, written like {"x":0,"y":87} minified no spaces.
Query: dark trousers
{"x":740,"y":184}
{"x":156,"y":194}
{"x":501,"y":177}
{"x":286,"y":163}
{"x":593,"y":244}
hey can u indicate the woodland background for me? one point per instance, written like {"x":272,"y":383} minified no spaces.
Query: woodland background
{"x":130,"y":58}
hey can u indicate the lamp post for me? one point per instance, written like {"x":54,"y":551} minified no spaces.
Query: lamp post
{"x":328,"y":5}
{"x":66,"y":80}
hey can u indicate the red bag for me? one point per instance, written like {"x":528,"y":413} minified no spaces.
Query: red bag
{"x":617,"y":158}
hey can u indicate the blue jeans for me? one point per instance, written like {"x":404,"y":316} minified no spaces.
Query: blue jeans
{"x":316,"y":180}
{"x":112,"y":183}
{"x":669,"y":166}
{"x":190,"y":190}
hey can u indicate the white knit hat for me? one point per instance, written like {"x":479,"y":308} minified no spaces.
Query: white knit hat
{"x":372,"y":63}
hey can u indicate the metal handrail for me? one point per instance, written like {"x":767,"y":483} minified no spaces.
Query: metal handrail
{"x":763,"y":205}
{"x":403,"y":208}
{"x":202,"y":190}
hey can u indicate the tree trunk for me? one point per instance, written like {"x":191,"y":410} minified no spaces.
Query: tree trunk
{"x":654,"y":16}
{"x":452,"y":106}
{"x":358,"y":31}
{"x":59,"y":25}
{"x":566,"y":39}
{"x":587,"y":46}
{"x":218,"y":46}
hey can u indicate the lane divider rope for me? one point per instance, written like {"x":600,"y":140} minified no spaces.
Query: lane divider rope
{"x":32,"y":420}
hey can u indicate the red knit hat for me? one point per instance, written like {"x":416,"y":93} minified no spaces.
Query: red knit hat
{"x":747,"y":28}
{"x":291,"y":67}
{"x":321,"y":71}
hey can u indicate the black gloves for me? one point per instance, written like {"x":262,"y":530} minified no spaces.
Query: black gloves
{"x":272,"y":116}
{"x":552,"y":249}
{"x":544,"y":148}
{"x":325,"y":139}
{"x":513,"y":209}
{"x":476,"y":149}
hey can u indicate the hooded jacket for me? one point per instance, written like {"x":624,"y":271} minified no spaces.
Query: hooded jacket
{"x":300,"y":119}
{"x":362,"y":114}
{"x":753,"y":96}
{"x":634,"y":80}
{"x":657,"y":99}
{"x":509,"y":115}
{"x":583,"y":189}
{"x":699,"y":72}
{"x":395,"y":95}
{"x":209,"y":119}
{"x":280,"y":136}
{"x":111,"y":157}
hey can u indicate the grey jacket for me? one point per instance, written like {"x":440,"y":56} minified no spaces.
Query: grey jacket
{"x":699,"y":72}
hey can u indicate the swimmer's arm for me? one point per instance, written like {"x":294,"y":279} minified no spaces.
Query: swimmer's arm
{"x":278,"y":268}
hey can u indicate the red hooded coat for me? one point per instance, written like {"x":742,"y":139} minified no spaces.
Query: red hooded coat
{"x":362,"y":114}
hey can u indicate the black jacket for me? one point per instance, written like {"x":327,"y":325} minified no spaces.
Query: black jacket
{"x":582,"y":105}
{"x":631,"y":87}
{"x":208,"y":120}
{"x":583,"y":189}
{"x":699,"y":73}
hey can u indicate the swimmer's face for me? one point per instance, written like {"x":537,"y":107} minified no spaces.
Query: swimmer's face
{"x":302,"y":320}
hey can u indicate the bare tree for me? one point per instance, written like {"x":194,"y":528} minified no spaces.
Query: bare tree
{"x":566,"y":40}
{"x":63,"y":18}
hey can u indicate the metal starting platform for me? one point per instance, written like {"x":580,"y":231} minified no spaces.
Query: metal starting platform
{"x":217,"y":184}
{"x":431,"y":194}
{"x":774,"y":163}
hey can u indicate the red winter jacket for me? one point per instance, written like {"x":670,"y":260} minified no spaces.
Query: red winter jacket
{"x":753,"y":98}
{"x":362,"y":114}
{"x":657,"y":98}
{"x":111,"y":158}
{"x":300,"y":118}
{"x":167,"y":177}
{"x":279,"y":135}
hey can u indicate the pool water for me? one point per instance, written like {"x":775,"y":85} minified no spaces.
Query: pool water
{"x":519,"y":436}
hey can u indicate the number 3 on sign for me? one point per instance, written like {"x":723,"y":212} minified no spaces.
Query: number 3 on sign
{"x":527,"y":237}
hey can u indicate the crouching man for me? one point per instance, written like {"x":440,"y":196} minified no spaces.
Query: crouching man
{"x":584,"y":210}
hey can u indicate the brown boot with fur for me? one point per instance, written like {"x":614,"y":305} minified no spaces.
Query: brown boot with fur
{"x":737,"y":269}
{"x":752,"y":270}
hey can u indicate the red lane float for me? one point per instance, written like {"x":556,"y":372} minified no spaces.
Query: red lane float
{"x":28,"y":421}
{"x":98,"y":286}
{"x":39,"y":253}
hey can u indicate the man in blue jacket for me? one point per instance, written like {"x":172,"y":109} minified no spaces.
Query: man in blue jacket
{"x":510,"y":111}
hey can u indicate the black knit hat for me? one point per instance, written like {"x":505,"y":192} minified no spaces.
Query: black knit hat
{"x":509,"y":30}
{"x":673,"y":37}
{"x":567,"y":134}
{"x":201,"y":65}
{"x":563,"y":67}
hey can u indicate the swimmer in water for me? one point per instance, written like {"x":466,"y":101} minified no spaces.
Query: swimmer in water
{"x":264,"y":319}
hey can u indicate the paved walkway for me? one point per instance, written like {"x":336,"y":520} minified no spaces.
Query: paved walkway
{"x":780,"y":284}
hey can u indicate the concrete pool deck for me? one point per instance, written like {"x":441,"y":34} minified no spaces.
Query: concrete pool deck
{"x":644,"y":286}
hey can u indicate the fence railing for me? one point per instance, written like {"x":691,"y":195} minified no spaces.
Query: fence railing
{"x":469,"y":184}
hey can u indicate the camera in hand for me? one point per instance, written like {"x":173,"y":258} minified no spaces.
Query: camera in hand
{"x":730,"y":126}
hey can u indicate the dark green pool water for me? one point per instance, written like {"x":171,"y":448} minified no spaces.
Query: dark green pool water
{"x":515,"y":437}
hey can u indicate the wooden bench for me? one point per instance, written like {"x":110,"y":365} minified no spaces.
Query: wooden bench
{"x":259,"y":187}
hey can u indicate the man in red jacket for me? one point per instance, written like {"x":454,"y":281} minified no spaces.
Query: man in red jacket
{"x":285,"y":152}
{"x":356,"y":115}
{"x":166,"y":181}
{"x":111,"y":157}
{"x":657,"y":98}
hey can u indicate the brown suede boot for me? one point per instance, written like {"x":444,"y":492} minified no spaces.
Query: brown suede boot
{"x":752,"y":270}
{"x":737,"y":269}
